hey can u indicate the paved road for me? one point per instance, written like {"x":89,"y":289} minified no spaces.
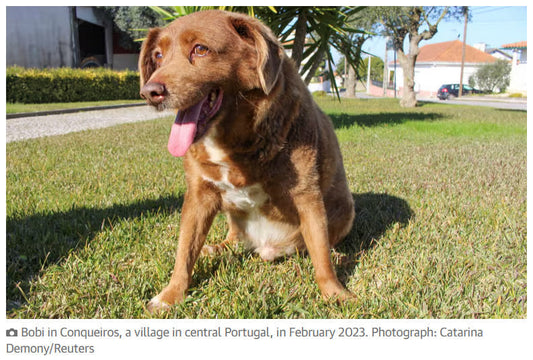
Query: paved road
{"x":498,"y":103}
{"x":38,"y":126}
{"x":503,"y":103}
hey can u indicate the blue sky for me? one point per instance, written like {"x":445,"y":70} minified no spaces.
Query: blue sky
{"x":493,"y":25}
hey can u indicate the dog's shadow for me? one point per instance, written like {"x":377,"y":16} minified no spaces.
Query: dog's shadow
{"x":39,"y":240}
{"x":28,"y":249}
{"x":374,"y":215}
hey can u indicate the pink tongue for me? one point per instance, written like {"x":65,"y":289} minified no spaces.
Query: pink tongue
{"x":184,"y":130}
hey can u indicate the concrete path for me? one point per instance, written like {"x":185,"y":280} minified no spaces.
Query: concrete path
{"x":30,"y":127}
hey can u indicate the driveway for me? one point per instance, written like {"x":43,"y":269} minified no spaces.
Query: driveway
{"x":30,"y":127}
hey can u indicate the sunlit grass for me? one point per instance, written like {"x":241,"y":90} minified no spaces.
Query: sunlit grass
{"x":440,"y":232}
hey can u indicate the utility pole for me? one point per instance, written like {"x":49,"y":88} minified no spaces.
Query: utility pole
{"x":368,"y":80}
{"x":386,"y":69}
{"x":465,"y":10}
{"x":395,"y":73}
{"x":345,"y":69}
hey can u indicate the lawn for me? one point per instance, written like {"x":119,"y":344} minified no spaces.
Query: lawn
{"x":440,"y":231}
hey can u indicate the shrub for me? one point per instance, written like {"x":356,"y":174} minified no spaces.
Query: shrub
{"x":493,"y":76}
{"x":69,"y":85}
{"x":320,"y":94}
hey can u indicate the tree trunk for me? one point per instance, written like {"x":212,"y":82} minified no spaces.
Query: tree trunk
{"x":385,"y":84}
{"x":408,"y":99}
{"x":314,"y":67}
{"x":299,"y":38}
{"x":350,"y":82}
{"x":407,"y":62}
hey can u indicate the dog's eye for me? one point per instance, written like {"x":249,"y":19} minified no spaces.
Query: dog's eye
{"x":200,"y":50}
{"x":158,"y":56}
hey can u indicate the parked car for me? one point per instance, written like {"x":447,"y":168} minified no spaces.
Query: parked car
{"x":450,"y":91}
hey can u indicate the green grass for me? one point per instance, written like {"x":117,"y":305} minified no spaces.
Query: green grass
{"x":440,"y":232}
{"x":13,"y":108}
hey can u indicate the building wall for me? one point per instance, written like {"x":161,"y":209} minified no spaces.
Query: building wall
{"x":125,"y":61}
{"x":46,"y":43}
{"x":518,"y":83}
{"x":499,"y":55}
{"x":430,"y":76}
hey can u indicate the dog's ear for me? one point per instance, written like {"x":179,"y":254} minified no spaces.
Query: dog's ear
{"x":146,"y":64}
{"x":269,"y":51}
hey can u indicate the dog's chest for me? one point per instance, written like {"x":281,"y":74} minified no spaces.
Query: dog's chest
{"x":246,"y":205}
{"x":245,"y":198}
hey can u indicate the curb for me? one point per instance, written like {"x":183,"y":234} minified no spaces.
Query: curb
{"x":502,"y":99}
{"x":67,"y":111}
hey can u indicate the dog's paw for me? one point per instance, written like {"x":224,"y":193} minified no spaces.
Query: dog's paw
{"x":156,"y":305}
{"x":334,"y":291}
{"x":208,"y":250}
{"x":343,"y":296}
{"x":165,"y":299}
{"x":216,"y":249}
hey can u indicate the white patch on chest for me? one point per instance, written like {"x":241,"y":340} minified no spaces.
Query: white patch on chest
{"x":246,"y":198}
{"x":265,"y":236}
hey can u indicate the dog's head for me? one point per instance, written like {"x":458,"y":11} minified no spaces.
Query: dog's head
{"x":198,"y":60}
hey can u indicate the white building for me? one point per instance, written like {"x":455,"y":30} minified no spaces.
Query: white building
{"x":497,"y":53}
{"x":440,"y":63}
{"x":519,"y":67}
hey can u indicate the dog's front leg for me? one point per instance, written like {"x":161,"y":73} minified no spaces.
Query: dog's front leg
{"x":313,"y":225}
{"x":199,"y":210}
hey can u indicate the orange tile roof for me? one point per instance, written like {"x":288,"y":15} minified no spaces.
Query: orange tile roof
{"x":451,"y":51}
{"x":516,"y":45}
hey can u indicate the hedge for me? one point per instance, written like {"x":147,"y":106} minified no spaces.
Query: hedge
{"x":35,"y":86}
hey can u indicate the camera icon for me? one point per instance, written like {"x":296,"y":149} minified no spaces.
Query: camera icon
{"x":12,"y":333}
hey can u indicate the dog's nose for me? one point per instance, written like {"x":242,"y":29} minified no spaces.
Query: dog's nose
{"x":153,"y":92}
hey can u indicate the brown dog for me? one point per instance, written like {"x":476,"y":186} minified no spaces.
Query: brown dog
{"x":255,"y":145}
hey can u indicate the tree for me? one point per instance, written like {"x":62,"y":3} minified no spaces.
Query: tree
{"x":315,"y":31}
{"x":131,"y":22}
{"x":376,"y":69}
{"x":366,"y":23}
{"x":493,"y":76}
{"x":170,"y":13}
{"x":376,"y":72}
{"x":414,"y":23}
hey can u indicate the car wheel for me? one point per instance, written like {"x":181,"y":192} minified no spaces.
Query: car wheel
{"x":90,"y":62}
